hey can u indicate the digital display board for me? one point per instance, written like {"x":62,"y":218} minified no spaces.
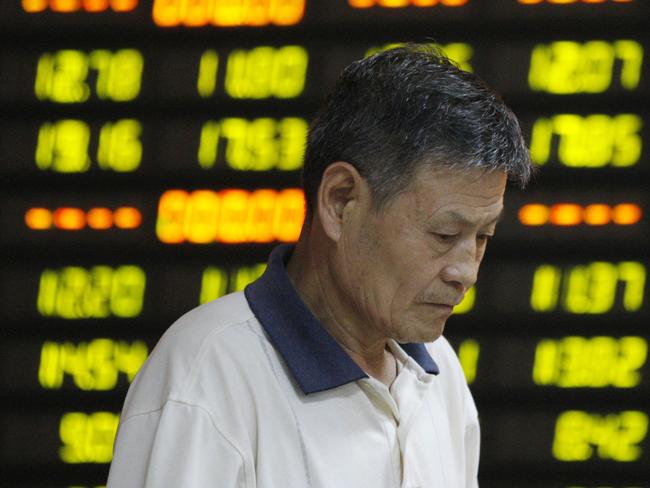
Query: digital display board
{"x":150,"y":153}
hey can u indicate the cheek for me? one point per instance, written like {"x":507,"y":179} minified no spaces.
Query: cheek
{"x":414,"y":277}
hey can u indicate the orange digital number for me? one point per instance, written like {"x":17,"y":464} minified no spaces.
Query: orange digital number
{"x":405,"y":3}
{"x":227,"y":13}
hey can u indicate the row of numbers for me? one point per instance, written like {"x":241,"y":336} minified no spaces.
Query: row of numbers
{"x":64,"y":146}
{"x":573,"y":361}
{"x":258,"y":144}
{"x":590,"y":362}
{"x":230,"y":216}
{"x":63,"y":76}
{"x":261,"y":144}
{"x":590,"y":141}
{"x":87,"y":437}
{"x":74,"y":292}
{"x":568,"y":362}
{"x":93,"y":366}
{"x":578,"y":437}
{"x":588,"y":289}
{"x":72,"y":76}
{"x":570,"y":67}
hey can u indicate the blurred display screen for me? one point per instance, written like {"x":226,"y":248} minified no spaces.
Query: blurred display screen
{"x":150,"y":157}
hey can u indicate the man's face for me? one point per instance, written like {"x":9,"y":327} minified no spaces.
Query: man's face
{"x":404,"y":268}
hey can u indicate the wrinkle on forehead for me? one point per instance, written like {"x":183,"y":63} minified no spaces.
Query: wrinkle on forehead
{"x":445,"y":194}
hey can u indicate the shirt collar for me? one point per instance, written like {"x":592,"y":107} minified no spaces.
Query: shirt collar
{"x":315,"y":359}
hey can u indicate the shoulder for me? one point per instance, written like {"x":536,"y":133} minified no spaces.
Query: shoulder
{"x":214,"y":335}
{"x":205,"y":322}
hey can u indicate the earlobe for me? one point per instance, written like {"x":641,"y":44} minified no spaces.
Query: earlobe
{"x":338,"y":193}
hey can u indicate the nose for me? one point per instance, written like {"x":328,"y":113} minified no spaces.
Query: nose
{"x":461,"y":268}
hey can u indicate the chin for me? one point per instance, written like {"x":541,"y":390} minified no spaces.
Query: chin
{"x":423,"y":333}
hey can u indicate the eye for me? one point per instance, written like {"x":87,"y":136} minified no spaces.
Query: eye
{"x":444,"y":237}
{"x":484,"y":237}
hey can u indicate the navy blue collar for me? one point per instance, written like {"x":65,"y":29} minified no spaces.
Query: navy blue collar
{"x":316,"y":360}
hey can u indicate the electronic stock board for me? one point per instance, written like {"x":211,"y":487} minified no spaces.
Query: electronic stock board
{"x":150,"y":153}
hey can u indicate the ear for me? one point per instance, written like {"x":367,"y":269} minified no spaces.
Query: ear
{"x":341,"y":191}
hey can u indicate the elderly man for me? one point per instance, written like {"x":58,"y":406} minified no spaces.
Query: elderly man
{"x":330,"y":370}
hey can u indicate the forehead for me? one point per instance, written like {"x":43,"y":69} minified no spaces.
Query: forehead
{"x":469,"y":197}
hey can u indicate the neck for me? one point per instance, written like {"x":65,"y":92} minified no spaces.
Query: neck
{"x":316,"y":286}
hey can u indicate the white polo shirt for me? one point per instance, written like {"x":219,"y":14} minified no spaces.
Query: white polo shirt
{"x":251,"y":391}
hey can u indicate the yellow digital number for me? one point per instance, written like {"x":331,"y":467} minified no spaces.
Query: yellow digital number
{"x":580,"y":436}
{"x":569,"y":67}
{"x":87,"y":438}
{"x":459,"y":52}
{"x":171,"y":216}
{"x":546,"y":288}
{"x":216,"y":282}
{"x":93,"y":365}
{"x":62,"y":146}
{"x":120,"y":148}
{"x":119,"y":74}
{"x":292,"y":134}
{"x":99,"y":292}
{"x":62,"y":77}
{"x":591,"y":288}
{"x":468,"y":355}
{"x":254,"y":145}
{"x":208,"y":68}
{"x":467,"y":304}
{"x":592,"y":141}
{"x":588,"y":289}
{"x":200,"y":224}
{"x":265,"y":72}
{"x":596,"y":362}
{"x":127,"y":291}
{"x":243,"y":276}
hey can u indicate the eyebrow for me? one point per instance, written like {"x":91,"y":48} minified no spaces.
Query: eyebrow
{"x":465,"y":221}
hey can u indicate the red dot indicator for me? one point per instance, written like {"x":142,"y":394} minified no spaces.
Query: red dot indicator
{"x":534,"y":214}
{"x":38,"y":218}
{"x":127,"y":218}
{"x":597,"y":214}
{"x":69,"y":6}
{"x":69,"y":218}
{"x":572,"y":214}
{"x":566,"y":214}
{"x":626,"y":214}
{"x":100,"y":218}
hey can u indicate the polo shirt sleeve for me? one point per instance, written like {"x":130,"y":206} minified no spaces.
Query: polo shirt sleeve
{"x":175,"y":446}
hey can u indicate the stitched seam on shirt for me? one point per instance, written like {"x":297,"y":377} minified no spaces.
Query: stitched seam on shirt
{"x":303,"y":450}
{"x":435,"y":430}
{"x":198,"y":359}
{"x":214,"y":426}
{"x":390,"y":453}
